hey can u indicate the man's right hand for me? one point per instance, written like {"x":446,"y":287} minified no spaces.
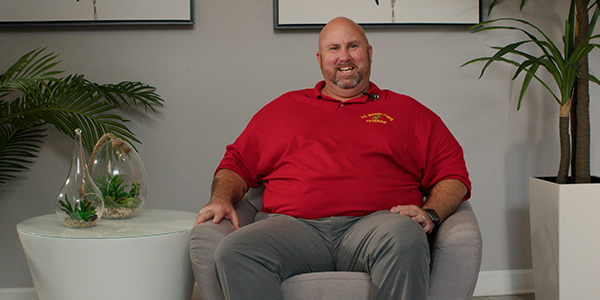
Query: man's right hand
{"x":228,"y":188}
{"x":217,"y":211}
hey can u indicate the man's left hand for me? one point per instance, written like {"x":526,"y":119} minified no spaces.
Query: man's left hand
{"x":417,"y":214}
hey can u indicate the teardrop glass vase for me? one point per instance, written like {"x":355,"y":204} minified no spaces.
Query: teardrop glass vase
{"x":118,"y":171}
{"x":79,"y":203}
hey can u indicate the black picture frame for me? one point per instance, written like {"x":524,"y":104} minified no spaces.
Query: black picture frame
{"x":47,"y":13}
{"x":297,"y":9}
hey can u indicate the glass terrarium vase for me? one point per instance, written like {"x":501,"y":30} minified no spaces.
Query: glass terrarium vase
{"x":79,"y":203}
{"x":119,"y":173}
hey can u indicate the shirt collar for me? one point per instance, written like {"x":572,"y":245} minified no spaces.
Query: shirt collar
{"x":374,"y":93}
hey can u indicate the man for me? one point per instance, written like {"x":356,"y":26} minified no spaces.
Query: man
{"x":346,"y":166}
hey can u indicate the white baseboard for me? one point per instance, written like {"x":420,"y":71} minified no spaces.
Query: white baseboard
{"x":504,"y":282}
{"x":490,"y":283}
{"x":30,"y":294}
{"x":18,"y":294}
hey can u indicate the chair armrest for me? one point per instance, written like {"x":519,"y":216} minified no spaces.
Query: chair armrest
{"x":204,"y":240}
{"x":456,"y":249}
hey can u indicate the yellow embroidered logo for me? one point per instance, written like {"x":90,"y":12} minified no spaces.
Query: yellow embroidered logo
{"x":377,"y":118}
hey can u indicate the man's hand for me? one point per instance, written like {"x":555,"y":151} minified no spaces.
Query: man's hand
{"x":217,"y":211}
{"x":417,"y":214}
{"x":445,"y":198}
{"x":228,"y":188}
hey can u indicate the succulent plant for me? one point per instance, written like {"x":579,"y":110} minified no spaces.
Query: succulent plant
{"x":82,"y":210}
{"x":113,"y":191}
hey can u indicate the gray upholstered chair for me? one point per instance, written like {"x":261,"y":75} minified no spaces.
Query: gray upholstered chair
{"x":455,"y":260}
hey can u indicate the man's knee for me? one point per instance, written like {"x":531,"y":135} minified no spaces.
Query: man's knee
{"x":227,"y":250}
{"x":403,"y":235}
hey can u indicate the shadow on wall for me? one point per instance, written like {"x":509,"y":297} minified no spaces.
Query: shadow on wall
{"x":535,"y":156}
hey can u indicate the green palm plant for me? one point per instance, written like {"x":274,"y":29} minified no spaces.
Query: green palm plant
{"x":32,"y":97}
{"x":568,"y":68}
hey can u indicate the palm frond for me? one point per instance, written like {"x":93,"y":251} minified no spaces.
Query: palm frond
{"x":30,"y":69}
{"x":31,"y":95}
{"x":594,"y":18}
{"x":72,"y":103}
{"x":494,"y":2}
{"x":18,"y":148}
{"x":562,"y":66}
{"x":128,"y":93}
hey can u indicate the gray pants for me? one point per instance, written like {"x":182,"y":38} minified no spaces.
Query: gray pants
{"x":253,"y":261}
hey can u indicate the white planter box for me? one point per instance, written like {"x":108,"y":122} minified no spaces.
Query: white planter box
{"x":565,"y":239}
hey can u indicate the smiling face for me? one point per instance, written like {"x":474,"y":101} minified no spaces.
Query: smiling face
{"x":345,"y":59}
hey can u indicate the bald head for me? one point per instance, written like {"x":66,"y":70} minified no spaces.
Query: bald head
{"x":345,"y":59}
{"x":341,"y":23}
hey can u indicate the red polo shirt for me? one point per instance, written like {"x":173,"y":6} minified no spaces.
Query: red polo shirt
{"x":320,"y":157}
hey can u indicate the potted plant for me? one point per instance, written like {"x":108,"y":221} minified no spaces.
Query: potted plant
{"x":569,"y":71}
{"x":120,"y":175}
{"x":32,"y":96}
{"x":562,"y":215}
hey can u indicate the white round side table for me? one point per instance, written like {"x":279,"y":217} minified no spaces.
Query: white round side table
{"x":142,"y":257}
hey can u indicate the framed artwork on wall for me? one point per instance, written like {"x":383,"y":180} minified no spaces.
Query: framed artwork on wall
{"x":96,"y":12}
{"x":302,"y":14}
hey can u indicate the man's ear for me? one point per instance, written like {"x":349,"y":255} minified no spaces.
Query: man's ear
{"x":319,"y":57}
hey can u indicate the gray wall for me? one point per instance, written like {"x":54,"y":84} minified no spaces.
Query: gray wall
{"x":216,"y":74}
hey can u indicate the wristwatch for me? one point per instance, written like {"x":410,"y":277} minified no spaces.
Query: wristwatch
{"x":433,"y":216}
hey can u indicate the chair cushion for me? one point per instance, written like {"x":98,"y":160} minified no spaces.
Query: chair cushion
{"x":318,"y":286}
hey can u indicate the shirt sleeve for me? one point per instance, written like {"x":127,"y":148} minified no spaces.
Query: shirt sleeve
{"x":445,"y":159}
{"x":243,"y":156}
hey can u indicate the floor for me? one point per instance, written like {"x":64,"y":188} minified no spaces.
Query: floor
{"x":196,"y":296}
{"x":514,"y":297}
{"x":29,"y":294}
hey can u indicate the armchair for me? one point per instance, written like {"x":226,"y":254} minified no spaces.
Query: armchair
{"x":455,"y":260}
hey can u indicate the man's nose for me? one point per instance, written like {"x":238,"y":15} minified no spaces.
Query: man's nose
{"x":345,"y":55}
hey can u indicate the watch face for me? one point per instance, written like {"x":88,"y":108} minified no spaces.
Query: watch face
{"x":434,"y":216}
